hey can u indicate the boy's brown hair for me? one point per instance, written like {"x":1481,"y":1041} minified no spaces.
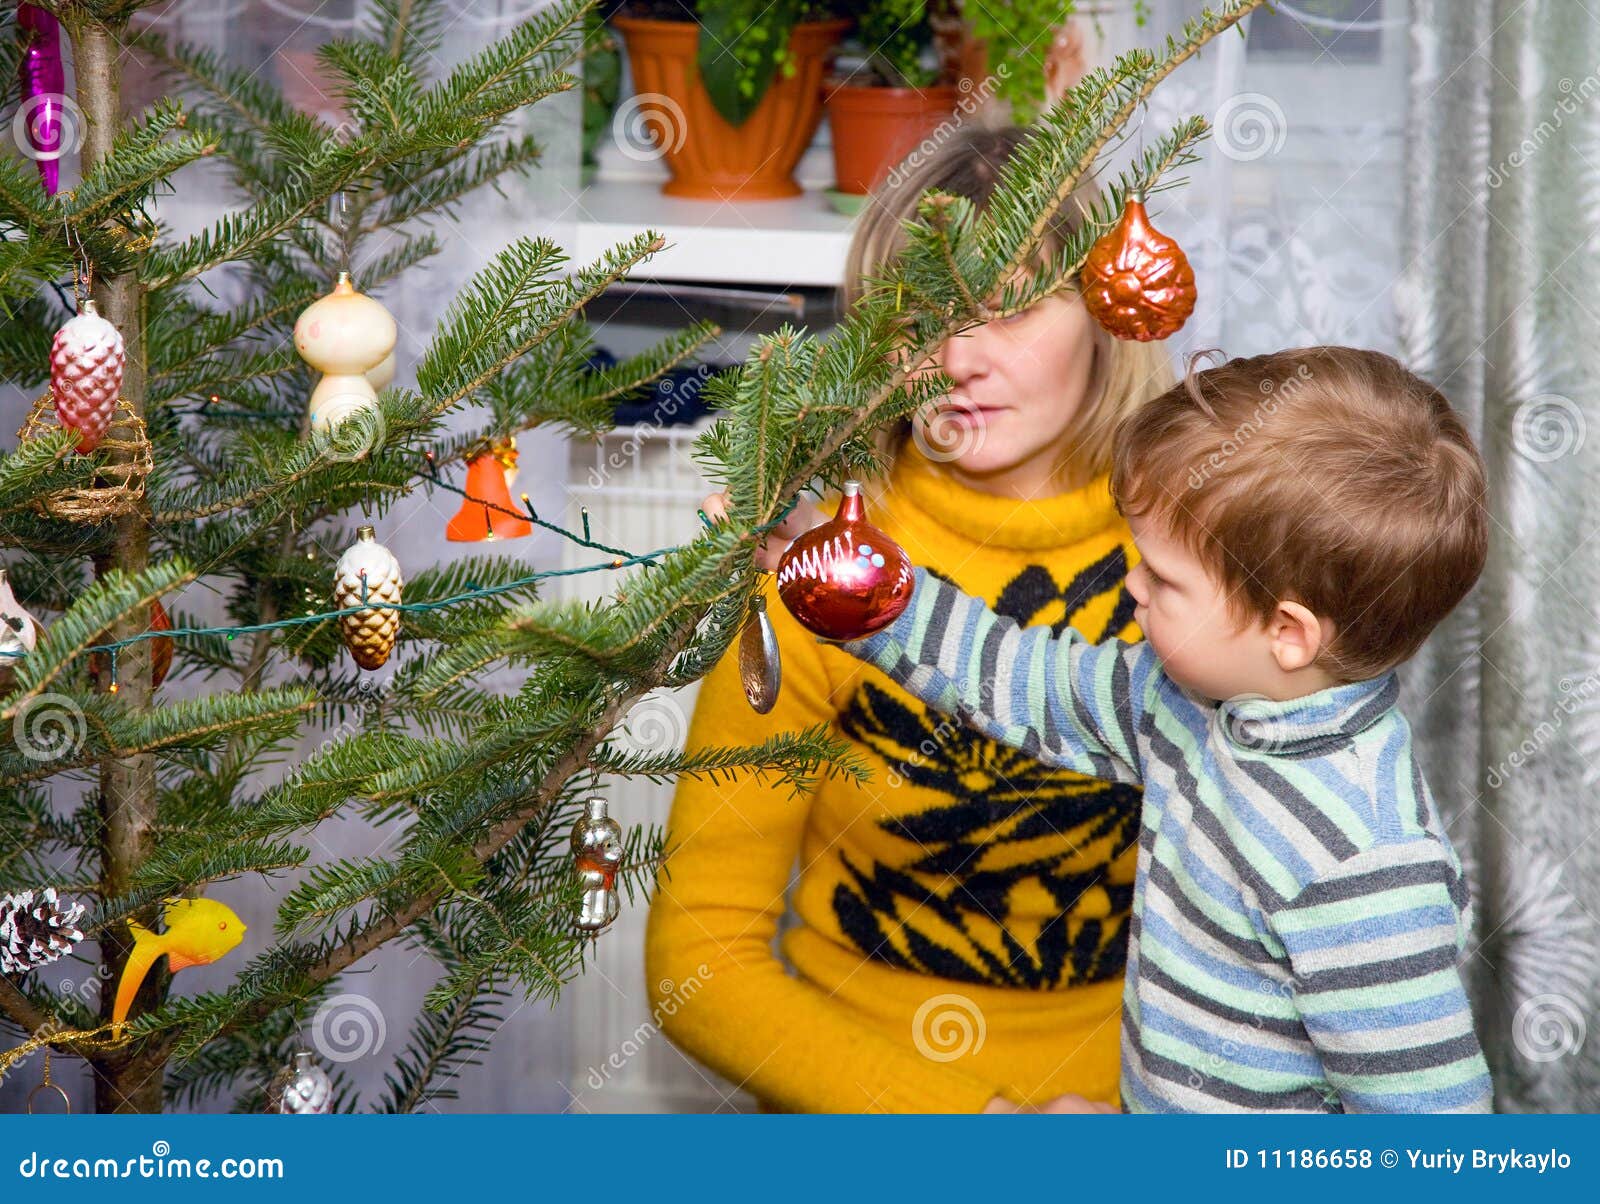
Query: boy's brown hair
{"x":1330,"y":476}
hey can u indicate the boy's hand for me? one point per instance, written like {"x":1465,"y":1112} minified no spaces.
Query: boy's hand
{"x":805,"y":515}
{"x":1076,"y":1105}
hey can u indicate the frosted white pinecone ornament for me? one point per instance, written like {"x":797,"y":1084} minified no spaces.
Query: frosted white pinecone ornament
{"x":370,"y":633}
{"x":86,"y":363}
{"x":36,"y":930}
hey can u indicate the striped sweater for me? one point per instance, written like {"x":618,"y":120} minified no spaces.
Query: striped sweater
{"x":1298,"y":912}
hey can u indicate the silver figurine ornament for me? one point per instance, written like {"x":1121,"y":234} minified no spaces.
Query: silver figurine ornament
{"x":303,"y":1089}
{"x":597,"y":850}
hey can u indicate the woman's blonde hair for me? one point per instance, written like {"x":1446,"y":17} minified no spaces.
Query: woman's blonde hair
{"x":969,"y":164}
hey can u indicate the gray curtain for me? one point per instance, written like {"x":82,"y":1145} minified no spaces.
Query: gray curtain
{"x":1499,"y":304}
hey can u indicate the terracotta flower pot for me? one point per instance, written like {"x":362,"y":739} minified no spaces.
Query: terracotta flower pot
{"x":708,"y":158}
{"x":875,"y":128}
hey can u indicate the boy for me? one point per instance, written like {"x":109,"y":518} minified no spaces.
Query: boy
{"x":1303,"y":520}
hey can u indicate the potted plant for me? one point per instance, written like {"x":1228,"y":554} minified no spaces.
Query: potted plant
{"x":882,"y":111}
{"x":1029,"y":52}
{"x":730,"y":91}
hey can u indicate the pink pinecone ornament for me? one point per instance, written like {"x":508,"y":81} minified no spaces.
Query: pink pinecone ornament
{"x":86,"y":362}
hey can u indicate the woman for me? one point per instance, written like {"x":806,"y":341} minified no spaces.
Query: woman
{"x":962,"y":915}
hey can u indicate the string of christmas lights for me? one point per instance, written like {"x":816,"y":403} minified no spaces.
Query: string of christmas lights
{"x":621,"y":559}
{"x":471,"y":594}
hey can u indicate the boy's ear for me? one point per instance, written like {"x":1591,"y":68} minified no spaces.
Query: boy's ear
{"x":1298,"y":636}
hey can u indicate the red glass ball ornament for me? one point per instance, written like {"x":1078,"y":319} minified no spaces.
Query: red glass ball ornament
{"x":1137,"y":282}
{"x":845,"y":579}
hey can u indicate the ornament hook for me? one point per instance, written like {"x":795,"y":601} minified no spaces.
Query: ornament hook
{"x":49,"y":1085}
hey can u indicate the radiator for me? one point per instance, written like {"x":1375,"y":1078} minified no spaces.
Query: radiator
{"x":641,"y":487}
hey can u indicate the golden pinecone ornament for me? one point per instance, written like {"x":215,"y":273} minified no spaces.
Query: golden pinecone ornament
{"x":368,"y":574}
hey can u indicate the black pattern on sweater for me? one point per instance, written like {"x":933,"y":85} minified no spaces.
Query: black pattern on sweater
{"x":961,"y":867}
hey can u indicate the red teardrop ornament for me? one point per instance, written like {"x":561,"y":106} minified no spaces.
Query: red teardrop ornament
{"x":845,"y":579}
{"x":1137,"y":282}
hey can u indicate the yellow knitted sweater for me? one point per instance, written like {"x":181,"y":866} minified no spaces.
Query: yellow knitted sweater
{"x":962,"y":917}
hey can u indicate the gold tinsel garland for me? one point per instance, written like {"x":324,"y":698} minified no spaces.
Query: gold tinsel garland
{"x":118,"y":485}
{"x":82,"y":1039}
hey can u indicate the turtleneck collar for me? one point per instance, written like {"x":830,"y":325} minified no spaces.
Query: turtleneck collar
{"x":986,"y":518}
{"x":1307,"y":726}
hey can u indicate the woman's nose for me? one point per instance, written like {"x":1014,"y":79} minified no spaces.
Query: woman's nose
{"x":965,"y":356}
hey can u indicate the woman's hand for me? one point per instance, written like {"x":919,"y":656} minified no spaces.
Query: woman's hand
{"x":1069,"y":1105}
{"x":1075,"y":1105}
{"x":805,"y":515}
{"x":1000,"y":1105}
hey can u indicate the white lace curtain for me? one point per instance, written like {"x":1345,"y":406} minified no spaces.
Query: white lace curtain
{"x":1292,"y":217}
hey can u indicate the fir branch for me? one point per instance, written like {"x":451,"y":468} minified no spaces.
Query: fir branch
{"x":488,"y":84}
{"x":141,"y":155}
{"x":444,"y":1042}
{"x":511,"y":307}
{"x":796,"y":758}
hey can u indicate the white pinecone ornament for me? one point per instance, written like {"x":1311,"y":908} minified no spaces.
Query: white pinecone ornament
{"x":370,"y":632}
{"x":86,"y":362}
{"x":35,"y":931}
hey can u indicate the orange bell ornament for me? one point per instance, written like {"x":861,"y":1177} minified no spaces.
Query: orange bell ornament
{"x":487,"y":482}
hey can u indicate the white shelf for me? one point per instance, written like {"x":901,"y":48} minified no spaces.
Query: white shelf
{"x":799,"y":241}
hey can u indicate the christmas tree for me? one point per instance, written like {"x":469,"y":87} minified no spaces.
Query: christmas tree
{"x":212,"y":470}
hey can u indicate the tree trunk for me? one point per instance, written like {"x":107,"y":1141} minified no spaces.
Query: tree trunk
{"x":129,"y":1082}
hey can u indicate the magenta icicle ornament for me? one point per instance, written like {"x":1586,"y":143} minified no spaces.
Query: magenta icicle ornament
{"x":44,"y":94}
{"x":86,"y":363}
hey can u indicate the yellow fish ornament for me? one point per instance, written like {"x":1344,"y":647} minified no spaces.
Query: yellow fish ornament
{"x":199,"y":931}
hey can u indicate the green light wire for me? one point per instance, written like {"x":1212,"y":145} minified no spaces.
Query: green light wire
{"x":470,"y":595}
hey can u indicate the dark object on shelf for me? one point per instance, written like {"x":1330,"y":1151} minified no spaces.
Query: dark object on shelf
{"x":674,"y":400}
